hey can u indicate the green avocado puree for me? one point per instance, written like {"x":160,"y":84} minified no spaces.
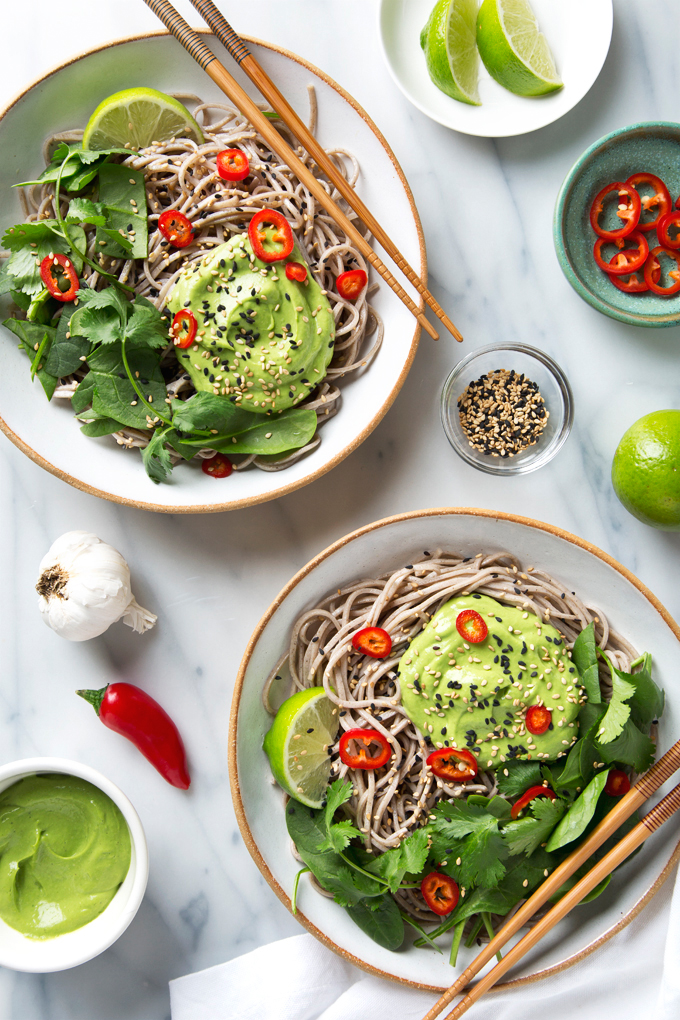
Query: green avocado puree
{"x":64,"y":852}
{"x":475,"y":696}
{"x":263,"y":340}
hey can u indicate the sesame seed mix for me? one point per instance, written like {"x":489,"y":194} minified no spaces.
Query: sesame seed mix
{"x":502,"y":413}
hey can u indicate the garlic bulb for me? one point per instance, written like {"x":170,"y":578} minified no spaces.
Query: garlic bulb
{"x":84,"y":587}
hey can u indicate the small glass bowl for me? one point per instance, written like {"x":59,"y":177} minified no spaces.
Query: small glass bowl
{"x":537,"y":367}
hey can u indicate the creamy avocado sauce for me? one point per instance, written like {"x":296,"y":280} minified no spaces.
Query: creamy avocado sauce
{"x":475,"y":696}
{"x":64,"y":853}
{"x":263,"y":340}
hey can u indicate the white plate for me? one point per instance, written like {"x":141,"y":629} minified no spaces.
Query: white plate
{"x":596,"y":577}
{"x":47,"y":432}
{"x":578,"y":32}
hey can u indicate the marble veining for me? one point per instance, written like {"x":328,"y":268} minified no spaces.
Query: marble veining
{"x":486,"y":208}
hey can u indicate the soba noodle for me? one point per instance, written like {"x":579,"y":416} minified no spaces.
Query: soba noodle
{"x":180,"y":174}
{"x":388,"y":805}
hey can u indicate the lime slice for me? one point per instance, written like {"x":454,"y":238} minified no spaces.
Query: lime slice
{"x":137,"y":117}
{"x":450,"y":47}
{"x":297,"y":745}
{"x":514,"y":50}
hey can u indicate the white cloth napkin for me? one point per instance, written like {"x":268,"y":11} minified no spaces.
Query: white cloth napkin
{"x":629,"y":977}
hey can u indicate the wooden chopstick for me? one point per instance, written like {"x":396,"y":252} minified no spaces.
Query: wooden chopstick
{"x":623,"y":849}
{"x":259,"y":77}
{"x":646,"y":785}
{"x":204,"y":56}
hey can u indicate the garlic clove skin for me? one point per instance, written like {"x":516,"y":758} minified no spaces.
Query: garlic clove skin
{"x":84,"y":587}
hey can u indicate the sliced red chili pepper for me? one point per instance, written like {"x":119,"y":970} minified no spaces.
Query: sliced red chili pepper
{"x":358,"y":750}
{"x":538,"y":719}
{"x":450,"y":763}
{"x":617,"y":783}
{"x":440,"y":892}
{"x":526,"y":798}
{"x":671,"y":221}
{"x":629,"y":212}
{"x":175,"y":228}
{"x":471,"y":626}
{"x":350,"y":284}
{"x":373,"y":641}
{"x":68,"y":274}
{"x":232,"y":165}
{"x":271,"y":228}
{"x":218,"y":466}
{"x":130,"y":711}
{"x":652,"y":277}
{"x":660,"y":198}
{"x":184,"y":328}
{"x":634,"y":257}
{"x":296,"y":271}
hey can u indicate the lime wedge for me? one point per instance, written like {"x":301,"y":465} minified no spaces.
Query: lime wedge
{"x":450,"y":47}
{"x":514,"y":50}
{"x":137,"y":117}
{"x":297,"y":745}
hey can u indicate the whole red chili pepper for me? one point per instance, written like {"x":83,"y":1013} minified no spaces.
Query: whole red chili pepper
{"x":128,"y":710}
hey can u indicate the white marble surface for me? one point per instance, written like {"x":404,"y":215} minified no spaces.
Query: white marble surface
{"x":486,"y":208}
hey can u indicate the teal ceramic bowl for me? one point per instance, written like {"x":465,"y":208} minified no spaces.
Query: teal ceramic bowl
{"x":653,"y":147}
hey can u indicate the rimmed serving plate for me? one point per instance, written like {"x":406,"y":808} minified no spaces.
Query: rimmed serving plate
{"x":388,"y":544}
{"x":578,"y":32}
{"x":651,"y":146}
{"x":65,"y":99}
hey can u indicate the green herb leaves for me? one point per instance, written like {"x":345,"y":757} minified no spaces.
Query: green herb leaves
{"x":525,"y":835}
{"x":469,"y":833}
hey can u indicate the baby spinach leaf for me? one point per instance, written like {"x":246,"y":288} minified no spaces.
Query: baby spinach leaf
{"x":67,"y":352}
{"x":574,"y":823}
{"x":81,"y":168}
{"x":520,"y":776}
{"x":32,"y":340}
{"x":221,"y":422}
{"x":380,"y":919}
{"x":114,"y":395}
{"x":82,"y":398}
{"x":100,"y":427}
{"x":525,"y":835}
{"x":156,"y":458}
{"x":291,"y":430}
{"x":579,"y":770}
{"x":122,"y":193}
{"x":208,"y":413}
{"x":6,"y":282}
{"x":584,"y":657}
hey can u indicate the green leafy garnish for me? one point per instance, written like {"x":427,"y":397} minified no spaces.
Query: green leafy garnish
{"x":471,"y":834}
{"x":525,"y":835}
{"x":574,"y":823}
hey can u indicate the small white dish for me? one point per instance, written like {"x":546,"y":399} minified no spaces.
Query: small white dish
{"x":47,"y":432}
{"x":578,"y":32}
{"x":384,"y":545}
{"x":17,"y":952}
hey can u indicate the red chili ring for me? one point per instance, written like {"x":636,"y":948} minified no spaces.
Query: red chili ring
{"x":652,"y":264}
{"x":661,"y":197}
{"x":631,"y":214}
{"x":635,"y":258}
{"x":184,"y":319}
{"x":47,"y":267}
{"x":671,"y":219}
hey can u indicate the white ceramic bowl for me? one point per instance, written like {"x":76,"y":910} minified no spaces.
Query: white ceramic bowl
{"x":388,"y":544}
{"x":46,"y":432}
{"x":17,"y":952}
{"x":579,"y":33}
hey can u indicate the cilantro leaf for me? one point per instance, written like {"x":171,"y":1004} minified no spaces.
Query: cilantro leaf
{"x":146,"y":326}
{"x":156,"y":458}
{"x":82,"y":210}
{"x":631,"y":747}
{"x":29,"y":244}
{"x":470,"y":834}
{"x":647,"y":703}
{"x":618,"y":711}
{"x":575,"y":821}
{"x":340,"y":834}
{"x":525,"y":835}
{"x":410,"y":856}
{"x":584,"y":657}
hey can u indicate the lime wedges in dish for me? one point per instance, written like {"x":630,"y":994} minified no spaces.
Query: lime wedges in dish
{"x":514,"y":50}
{"x":448,"y":41}
{"x":137,"y":117}
{"x":297,"y":745}
{"x":646,"y":470}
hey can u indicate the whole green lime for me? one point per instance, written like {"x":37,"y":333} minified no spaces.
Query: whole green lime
{"x":646,"y":470}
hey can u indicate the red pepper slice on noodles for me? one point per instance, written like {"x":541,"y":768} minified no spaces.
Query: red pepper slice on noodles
{"x":358,"y":749}
{"x":175,"y":228}
{"x":232,"y":165}
{"x":373,"y":641}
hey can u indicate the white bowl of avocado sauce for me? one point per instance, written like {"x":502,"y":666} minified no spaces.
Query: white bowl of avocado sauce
{"x":73,"y":864}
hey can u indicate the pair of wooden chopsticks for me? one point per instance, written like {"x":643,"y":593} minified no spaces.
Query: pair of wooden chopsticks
{"x":219,"y":74}
{"x":629,"y":803}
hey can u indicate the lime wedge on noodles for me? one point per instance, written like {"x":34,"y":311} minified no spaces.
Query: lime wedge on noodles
{"x":448,"y":41}
{"x":137,"y":117}
{"x":514,"y":50}
{"x":297,"y":745}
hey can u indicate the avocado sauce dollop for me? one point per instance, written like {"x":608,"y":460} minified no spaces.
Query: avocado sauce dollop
{"x":476,"y":696}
